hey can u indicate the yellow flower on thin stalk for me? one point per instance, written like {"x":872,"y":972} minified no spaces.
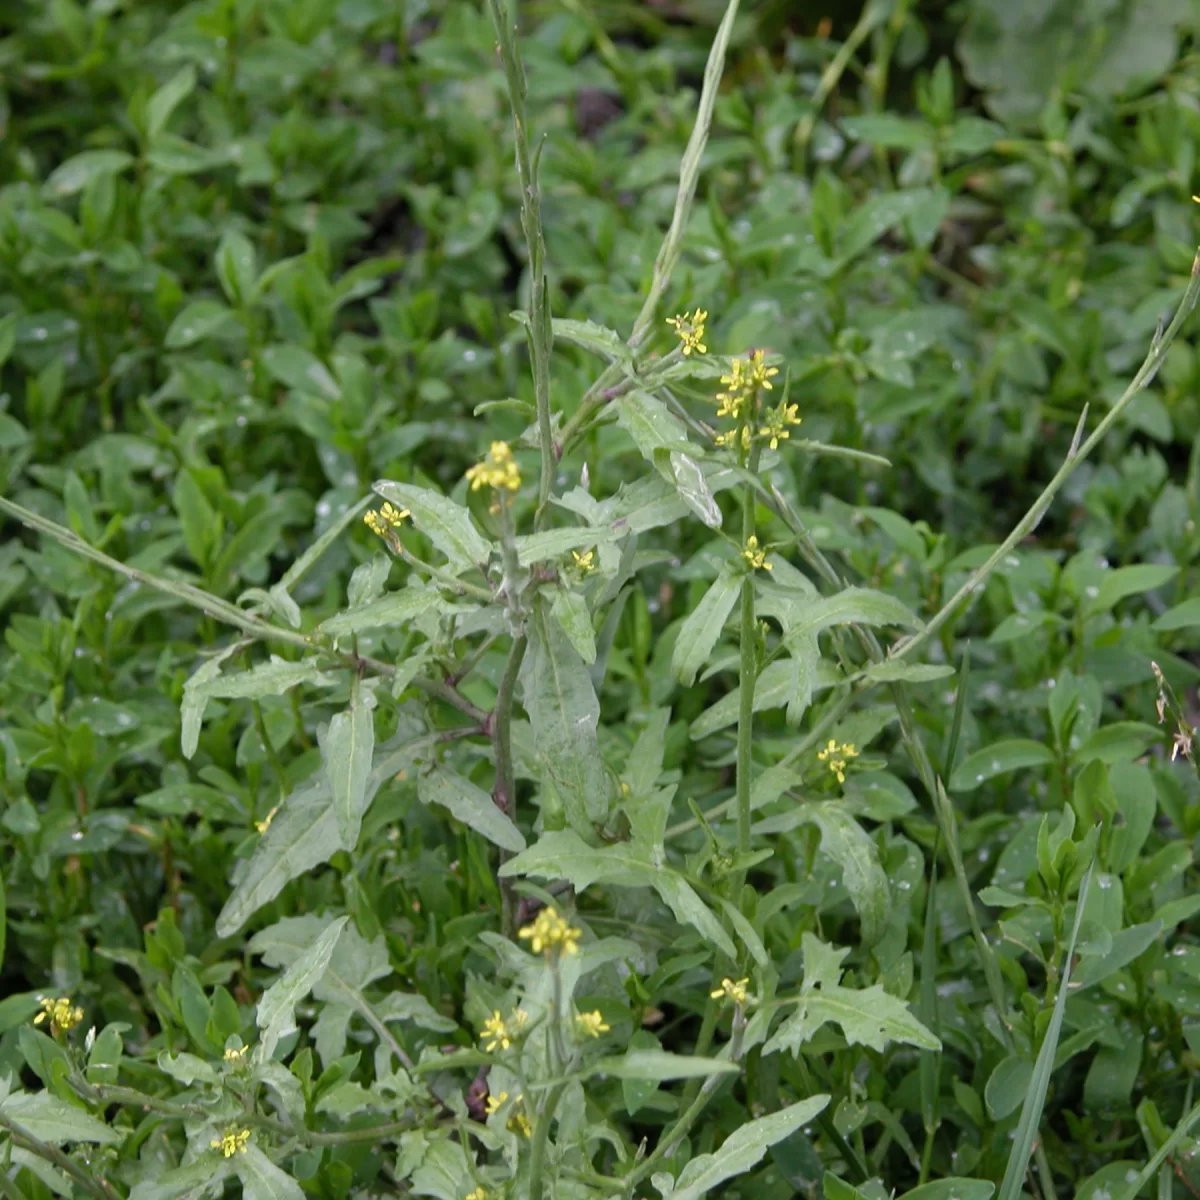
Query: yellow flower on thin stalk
{"x":759,"y":375}
{"x":265,"y":824}
{"x":496,"y":1035}
{"x":728,"y":439}
{"x":836,"y":757}
{"x":62,"y":1015}
{"x":729,"y":990}
{"x":689,"y":328}
{"x":755,"y":556}
{"x":498,"y":470}
{"x":231,"y":1143}
{"x":236,"y":1055}
{"x":550,"y":932}
{"x":585,"y":563}
{"x":591,"y":1024}
{"x":777,"y":429}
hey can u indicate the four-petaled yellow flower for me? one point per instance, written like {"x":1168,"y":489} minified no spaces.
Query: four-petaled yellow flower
{"x":836,"y":757}
{"x":584,"y":562}
{"x":60,"y":1012}
{"x":689,"y":328}
{"x":729,"y":438}
{"x":265,"y":824}
{"x":232,"y":1142}
{"x":499,"y":470}
{"x":776,"y":429}
{"x":495,"y":1103}
{"x":236,"y":1055}
{"x":591,"y":1024}
{"x":758,"y":374}
{"x":756,"y":557}
{"x":732,"y":991}
{"x":739,"y":389}
{"x":550,"y":932}
{"x":496,"y":1034}
{"x":387,"y":518}
{"x":519,"y":1122}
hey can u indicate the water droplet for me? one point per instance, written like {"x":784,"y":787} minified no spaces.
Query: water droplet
{"x":1091,"y":592}
{"x":77,"y":836}
{"x":470,"y":355}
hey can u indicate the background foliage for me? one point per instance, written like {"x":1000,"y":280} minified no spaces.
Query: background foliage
{"x":258,"y":255}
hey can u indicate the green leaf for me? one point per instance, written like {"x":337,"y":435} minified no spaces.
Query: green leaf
{"x":471,"y":805}
{"x":1000,"y":758}
{"x":564,"y":714}
{"x":201,"y":1175}
{"x":237,"y":267}
{"x":849,"y":845}
{"x":657,"y":1066}
{"x":266,"y":679}
{"x":276,"y":1006}
{"x":689,"y":909}
{"x":262,"y":1179}
{"x":954,"y":1188}
{"x":889,"y":130}
{"x":1127,"y":945}
{"x":304,"y":834}
{"x":388,"y":612}
{"x":77,"y":172}
{"x":867,"y":1016}
{"x":1007,"y":1085}
{"x":300,"y":369}
{"x":348,"y":748}
{"x":554,"y":543}
{"x":860,"y":606}
{"x":173,"y":155}
{"x":701,"y":630}
{"x":1182,"y":616}
{"x":447,"y":525}
{"x":591,"y":336}
{"x":199,"y":321}
{"x":570,"y":610}
{"x":167,"y":99}
{"x":903,"y":672}
{"x":743,"y":1149}
{"x":55,"y":1121}
{"x":1117,"y":584}
{"x":195,"y":700}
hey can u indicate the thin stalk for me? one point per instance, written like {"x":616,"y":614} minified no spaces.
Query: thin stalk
{"x":504,"y":794}
{"x":541,"y":1134}
{"x":52,"y":1154}
{"x":747,"y":676}
{"x":540,"y":334}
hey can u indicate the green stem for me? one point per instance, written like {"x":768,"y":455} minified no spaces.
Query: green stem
{"x":541,"y":1134}
{"x":747,"y":677}
{"x":540,"y":334}
{"x":52,"y":1154}
{"x":504,"y":793}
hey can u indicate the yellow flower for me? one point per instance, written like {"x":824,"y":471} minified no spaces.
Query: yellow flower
{"x":60,"y":1012}
{"x":478,"y":1194}
{"x":495,"y":1033}
{"x":520,"y":1019}
{"x":584,"y":562}
{"x":232,"y":1142}
{"x":495,"y":1103}
{"x":689,"y":328}
{"x":235,"y":1056}
{"x":756,"y":557}
{"x":499,"y":470}
{"x":776,"y":429}
{"x":729,"y":439}
{"x":758,"y":374}
{"x":591,"y":1024}
{"x":732,"y":991}
{"x":519,"y":1122}
{"x":265,"y":824}
{"x":551,"y":932}
{"x":836,"y":757}
{"x":739,"y":389}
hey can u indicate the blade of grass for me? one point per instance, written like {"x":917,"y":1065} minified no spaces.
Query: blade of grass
{"x":927,"y":1011}
{"x":1035,"y":1098}
{"x":960,"y":709}
{"x":1164,"y":1152}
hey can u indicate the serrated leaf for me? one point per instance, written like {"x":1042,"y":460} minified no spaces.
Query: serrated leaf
{"x":701,"y":630}
{"x":447,"y":525}
{"x":867,"y":1016}
{"x":658,"y":1066}
{"x":1001,"y":758}
{"x":262,"y":1179}
{"x":276,"y":1006}
{"x":860,"y":606}
{"x":55,"y":1121}
{"x":347,"y":750}
{"x":304,"y":834}
{"x":469,"y":804}
{"x":590,"y":336}
{"x":849,"y":845}
{"x":743,"y":1149}
{"x":570,"y":610}
{"x":564,"y":714}
{"x":388,"y":612}
{"x":266,"y":679}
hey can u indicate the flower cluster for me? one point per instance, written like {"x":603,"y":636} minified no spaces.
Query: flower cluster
{"x":550,"y":932}
{"x":779,"y":420}
{"x":498,"y":1034}
{"x":836,"y":757}
{"x":755,"y":555}
{"x":729,"y":990}
{"x":689,"y":328}
{"x":386,"y":519}
{"x":585,"y":563}
{"x":480,"y":1193}
{"x":60,"y":1013}
{"x":232,"y":1143}
{"x":517,"y":1121}
{"x":591,"y":1024}
{"x":499,"y":470}
{"x":236,"y":1055}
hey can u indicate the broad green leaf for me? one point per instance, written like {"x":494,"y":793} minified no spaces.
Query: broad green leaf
{"x":701,"y":630}
{"x":405,"y":1006}
{"x":772,"y":689}
{"x":348,"y":749}
{"x":469,"y":804}
{"x":195,"y":699}
{"x":1182,"y":616}
{"x":302,"y":370}
{"x":191,"y":1180}
{"x":564,"y":714}
{"x":743,"y":1149}
{"x":52,"y":1120}
{"x":954,"y":1188}
{"x":447,"y":525}
{"x":889,"y":130}
{"x":199,"y":320}
{"x":77,"y":172}
{"x":645,"y":762}
{"x":660,"y":1065}
{"x":689,"y":909}
{"x":555,"y":543}
{"x":1127,"y":945}
{"x":262,"y":1179}
{"x":849,"y":845}
{"x":388,"y":612}
{"x":172,"y":155}
{"x":867,"y":1016}
{"x":904,"y":672}
{"x":570,"y":610}
{"x":1007,"y":1085}
{"x":237,"y":267}
{"x":266,"y":679}
{"x":860,"y":606}
{"x":167,"y":99}
{"x":276,"y":1016}
{"x":591,"y":336}
{"x":1121,"y":582}
{"x":1001,"y":758}
{"x":304,"y":834}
